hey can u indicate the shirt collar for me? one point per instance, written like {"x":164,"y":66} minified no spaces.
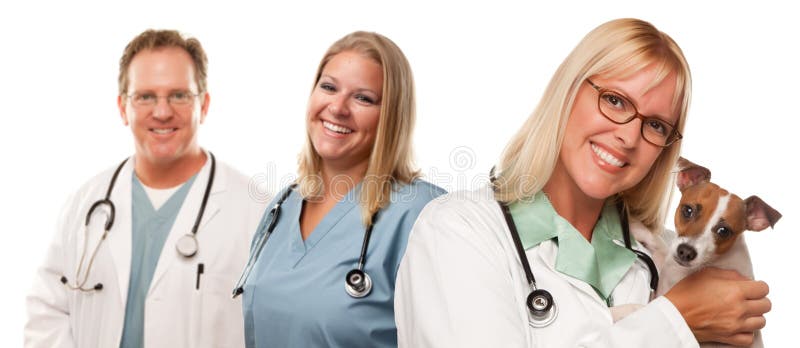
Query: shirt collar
{"x":601,"y":263}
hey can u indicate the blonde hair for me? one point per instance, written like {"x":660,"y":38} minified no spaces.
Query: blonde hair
{"x":391,"y":159}
{"x":616,"y":49}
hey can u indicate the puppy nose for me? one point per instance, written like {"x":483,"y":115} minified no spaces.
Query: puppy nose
{"x":686,"y":252}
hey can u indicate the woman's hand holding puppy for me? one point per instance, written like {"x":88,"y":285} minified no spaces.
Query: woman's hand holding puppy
{"x":721,"y":305}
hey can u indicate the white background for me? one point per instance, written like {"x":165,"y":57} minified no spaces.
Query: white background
{"x":480,"y":70}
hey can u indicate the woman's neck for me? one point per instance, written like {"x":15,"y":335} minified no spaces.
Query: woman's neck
{"x":572,"y":204}
{"x":337,"y":182}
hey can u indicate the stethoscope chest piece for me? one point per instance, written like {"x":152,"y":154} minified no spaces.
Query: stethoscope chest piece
{"x":187,"y":245}
{"x":357,"y":283}
{"x":542,"y":308}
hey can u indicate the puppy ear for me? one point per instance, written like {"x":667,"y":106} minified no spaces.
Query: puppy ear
{"x":760,"y":214}
{"x":691,"y":174}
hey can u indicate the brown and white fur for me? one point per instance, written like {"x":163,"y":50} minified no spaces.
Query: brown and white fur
{"x":709,"y":223}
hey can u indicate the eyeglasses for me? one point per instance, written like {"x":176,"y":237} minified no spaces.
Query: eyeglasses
{"x":175,"y":98}
{"x":618,"y":109}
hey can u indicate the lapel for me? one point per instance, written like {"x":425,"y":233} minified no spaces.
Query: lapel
{"x":186,"y":218}
{"x":598,"y":262}
{"x":547,"y":253}
{"x":119,"y":238}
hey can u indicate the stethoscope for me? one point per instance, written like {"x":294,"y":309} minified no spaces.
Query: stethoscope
{"x":187,"y":245}
{"x":357,"y":283}
{"x":540,"y":302}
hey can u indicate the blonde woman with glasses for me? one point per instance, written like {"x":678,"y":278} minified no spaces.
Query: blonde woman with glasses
{"x":538,"y":257}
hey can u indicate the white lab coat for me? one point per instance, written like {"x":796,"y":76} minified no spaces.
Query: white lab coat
{"x":176,"y":313}
{"x":461,"y":284}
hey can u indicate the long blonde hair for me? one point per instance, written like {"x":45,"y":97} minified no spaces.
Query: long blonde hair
{"x":615,"y":49}
{"x":391,"y":160}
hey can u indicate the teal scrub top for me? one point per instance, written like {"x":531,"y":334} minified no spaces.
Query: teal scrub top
{"x":150,"y":228}
{"x":296,"y":297}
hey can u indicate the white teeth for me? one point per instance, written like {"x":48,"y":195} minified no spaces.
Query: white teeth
{"x":607,"y":157}
{"x":163,"y":130}
{"x":335,"y":128}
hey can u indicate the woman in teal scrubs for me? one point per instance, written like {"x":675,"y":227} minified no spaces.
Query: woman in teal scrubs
{"x":355,"y":175}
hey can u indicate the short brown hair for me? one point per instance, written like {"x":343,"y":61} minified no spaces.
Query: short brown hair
{"x":153,"y":39}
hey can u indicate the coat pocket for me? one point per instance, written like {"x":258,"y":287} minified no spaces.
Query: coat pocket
{"x":221,"y":319}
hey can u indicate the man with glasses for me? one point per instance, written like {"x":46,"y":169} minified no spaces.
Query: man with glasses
{"x":151,"y":262}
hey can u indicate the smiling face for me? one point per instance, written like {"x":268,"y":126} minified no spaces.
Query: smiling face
{"x":165,"y":132}
{"x":600,"y":158}
{"x":344,"y":110}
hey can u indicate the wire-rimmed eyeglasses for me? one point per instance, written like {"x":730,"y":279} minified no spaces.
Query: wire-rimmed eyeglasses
{"x":174,"y":98}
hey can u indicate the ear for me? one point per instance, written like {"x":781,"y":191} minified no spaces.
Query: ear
{"x":691,"y":174}
{"x":760,"y":214}
{"x":122,"y":111}
{"x":204,"y":107}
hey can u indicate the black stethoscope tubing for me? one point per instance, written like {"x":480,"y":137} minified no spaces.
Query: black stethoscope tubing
{"x":274,"y":214}
{"x":186,"y":246}
{"x":358,"y":283}
{"x":626,"y":236}
{"x":540,"y":302}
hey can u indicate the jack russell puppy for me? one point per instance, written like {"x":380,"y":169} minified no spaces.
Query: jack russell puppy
{"x":709,"y":223}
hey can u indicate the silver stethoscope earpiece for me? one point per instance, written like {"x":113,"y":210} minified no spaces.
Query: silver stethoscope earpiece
{"x":357,"y":283}
{"x":187,"y":245}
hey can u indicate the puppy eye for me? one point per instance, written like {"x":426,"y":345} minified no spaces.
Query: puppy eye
{"x":724,"y":232}
{"x":687,"y":211}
